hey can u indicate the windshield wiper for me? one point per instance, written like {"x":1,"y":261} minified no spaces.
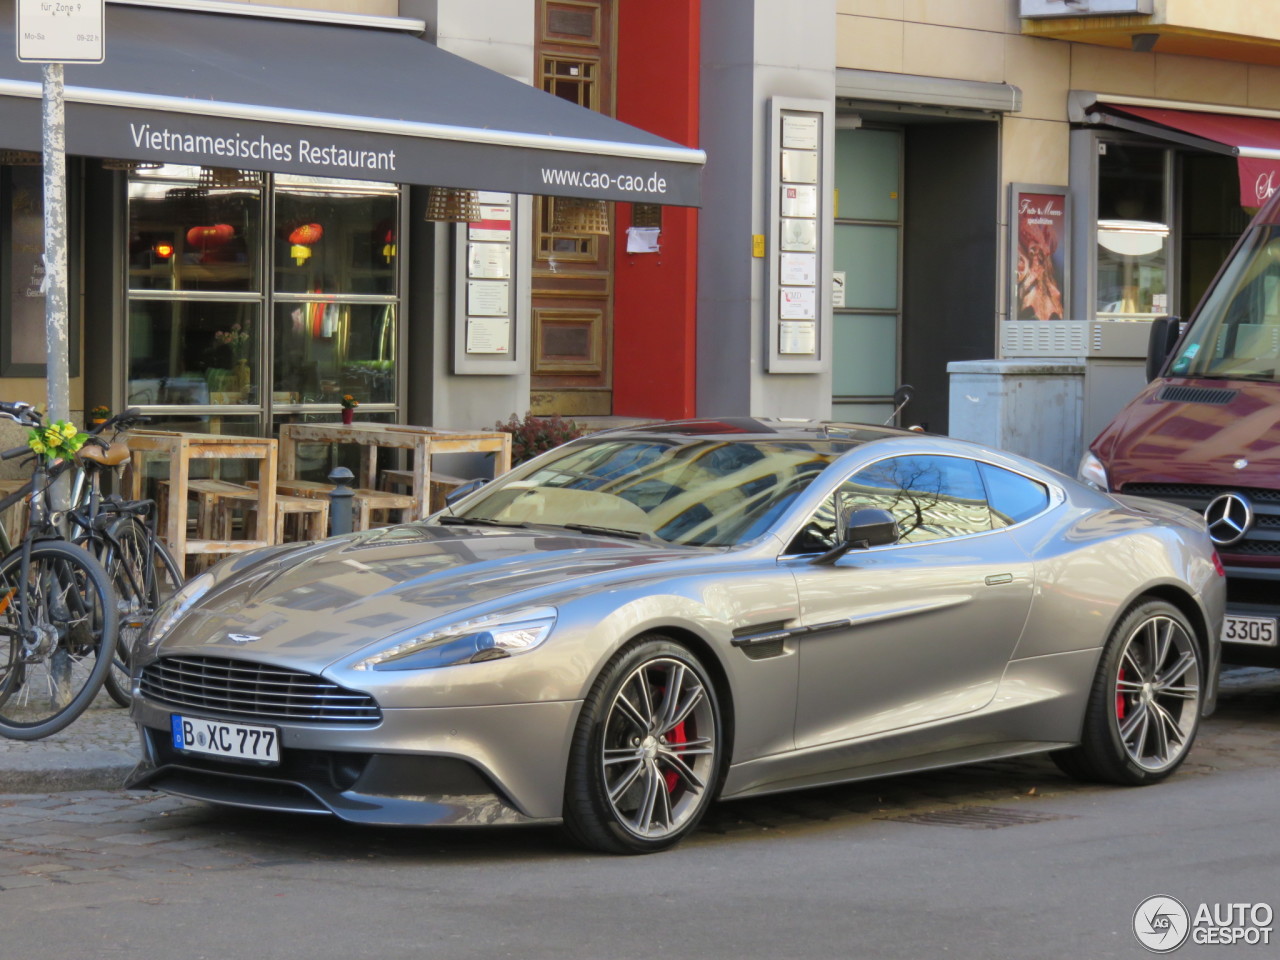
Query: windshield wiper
{"x":479,"y":522}
{"x":605,"y":531}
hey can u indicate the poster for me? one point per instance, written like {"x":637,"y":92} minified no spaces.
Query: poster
{"x":494,"y":224}
{"x":1039,"y":244}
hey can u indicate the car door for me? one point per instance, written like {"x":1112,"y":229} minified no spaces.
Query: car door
{"x":917,"y":631}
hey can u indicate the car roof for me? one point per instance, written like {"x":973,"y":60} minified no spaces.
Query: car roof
{"x":755,"y":429}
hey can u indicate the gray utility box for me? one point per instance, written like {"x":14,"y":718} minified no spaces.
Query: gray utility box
{"x":1055,"y":387}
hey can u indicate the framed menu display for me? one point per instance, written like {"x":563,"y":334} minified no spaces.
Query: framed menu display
{"x":801,"y":143}
{"x":489,"y":286}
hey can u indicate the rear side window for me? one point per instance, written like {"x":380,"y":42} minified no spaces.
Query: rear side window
{"x":1012,"y":497}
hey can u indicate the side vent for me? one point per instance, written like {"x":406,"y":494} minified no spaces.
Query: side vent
{"x":1215,"y":395}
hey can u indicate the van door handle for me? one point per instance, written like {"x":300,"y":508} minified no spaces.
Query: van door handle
{"x":998,"y":578}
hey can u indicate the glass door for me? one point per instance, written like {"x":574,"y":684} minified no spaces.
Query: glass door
{"x":868,"y":265}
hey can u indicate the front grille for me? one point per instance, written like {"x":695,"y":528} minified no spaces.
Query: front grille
{"x":256,"y":691}
{"x":1262,"y":538}
{"x":1181,"y":394}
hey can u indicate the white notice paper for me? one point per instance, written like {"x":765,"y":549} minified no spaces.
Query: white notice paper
{"x":643,"y":239}
{"x":837,"y":288}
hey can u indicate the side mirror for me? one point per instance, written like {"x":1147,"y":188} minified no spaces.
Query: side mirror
{"x":863,"y":528}
{"x":1162,"y":337}
{"x":464,"y":490}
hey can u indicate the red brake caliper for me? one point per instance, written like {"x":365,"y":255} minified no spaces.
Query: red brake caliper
{"x":677,"y":735}
{"x":1119,"y":696}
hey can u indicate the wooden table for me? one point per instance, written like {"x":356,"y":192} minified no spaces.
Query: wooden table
{"x":182,"y":448}
{"x":423,"y":441}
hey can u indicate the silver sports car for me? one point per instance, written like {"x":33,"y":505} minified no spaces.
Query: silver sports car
{"x":639,"y":622}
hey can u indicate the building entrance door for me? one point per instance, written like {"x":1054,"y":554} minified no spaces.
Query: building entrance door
{"x":868,"y":257}
{"x":573,"y":257}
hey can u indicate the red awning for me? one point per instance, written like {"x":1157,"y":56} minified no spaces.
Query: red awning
{"x":1255,"y":141}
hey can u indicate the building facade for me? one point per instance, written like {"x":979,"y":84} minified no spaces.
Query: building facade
{"x":982,"y":199}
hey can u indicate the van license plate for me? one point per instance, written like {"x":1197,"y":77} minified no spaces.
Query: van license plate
{"x":1260,"y":631}
{"x":242,"y":741}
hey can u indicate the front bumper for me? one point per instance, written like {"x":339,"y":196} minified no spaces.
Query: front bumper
{"x":452,"y":766}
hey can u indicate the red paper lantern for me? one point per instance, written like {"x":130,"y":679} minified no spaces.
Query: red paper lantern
{"x":307,"y":234}
{"x":210,"y":237}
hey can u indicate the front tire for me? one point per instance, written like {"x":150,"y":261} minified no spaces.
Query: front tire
{"x":1144,"y":708}
{"x":646,"y":755}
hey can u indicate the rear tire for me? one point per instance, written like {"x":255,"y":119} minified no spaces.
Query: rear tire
{"x":646,"y":756}
{"x":1144,"y":708}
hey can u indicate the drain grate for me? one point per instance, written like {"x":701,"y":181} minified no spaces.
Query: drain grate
{"x":976,"y":818}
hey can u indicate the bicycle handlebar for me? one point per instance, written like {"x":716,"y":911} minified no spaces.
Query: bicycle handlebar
{"x":15,"y":452}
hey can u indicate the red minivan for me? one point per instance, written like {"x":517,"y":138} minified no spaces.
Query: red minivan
{"x":1205,"y":433}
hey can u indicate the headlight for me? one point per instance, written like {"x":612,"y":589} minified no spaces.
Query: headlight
{"x":1092,"y":472}
{"x":487,"y":638}
{"x":172,"y":610}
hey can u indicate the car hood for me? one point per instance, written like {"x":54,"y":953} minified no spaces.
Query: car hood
{"x":1195,"y":431}
{"x":328,"y":600}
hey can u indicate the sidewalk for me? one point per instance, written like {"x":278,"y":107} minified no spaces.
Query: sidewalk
{"x":95,"y":753}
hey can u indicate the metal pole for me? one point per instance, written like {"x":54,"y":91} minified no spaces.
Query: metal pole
{"x":57,"y":342}
{"x":58,"y":393}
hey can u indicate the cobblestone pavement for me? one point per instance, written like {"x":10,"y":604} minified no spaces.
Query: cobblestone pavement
{"x":101,"y":836}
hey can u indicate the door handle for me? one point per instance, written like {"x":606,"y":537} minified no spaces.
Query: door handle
{"x":998,"y":578}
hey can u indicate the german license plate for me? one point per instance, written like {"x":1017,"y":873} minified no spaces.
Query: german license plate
{"x":217,"y":738}
{"x":1256,"y":630}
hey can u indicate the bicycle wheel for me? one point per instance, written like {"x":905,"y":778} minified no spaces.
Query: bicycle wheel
{"x":142,"y":583}
{"x":53,"y":669}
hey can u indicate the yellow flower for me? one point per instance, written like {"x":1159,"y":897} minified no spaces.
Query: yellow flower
{"x":37,"y":446}
{"x":69,"y":430}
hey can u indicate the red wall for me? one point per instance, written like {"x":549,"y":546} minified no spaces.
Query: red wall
{"x":655,"y":294}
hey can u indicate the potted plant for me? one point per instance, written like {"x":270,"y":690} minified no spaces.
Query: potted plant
{"x":349,"y":404}
{"x":532,"y":435}
{"x":99,"y":415}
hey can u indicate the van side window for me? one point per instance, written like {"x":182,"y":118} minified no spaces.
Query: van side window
{"x":1013,"y":497}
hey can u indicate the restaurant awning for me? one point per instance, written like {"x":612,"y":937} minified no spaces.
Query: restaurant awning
{"x":1254,"y":141}
{"x":337,"y":100}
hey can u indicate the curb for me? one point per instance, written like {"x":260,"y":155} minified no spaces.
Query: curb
{"x":89,"y":770}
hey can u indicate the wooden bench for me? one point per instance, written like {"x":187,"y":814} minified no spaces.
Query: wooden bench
{"x":441,"y":485}
{"x":364,"y":502}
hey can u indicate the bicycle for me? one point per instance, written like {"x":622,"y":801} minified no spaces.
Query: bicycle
{"x":122,"y":535}
{"x":58,"y":616}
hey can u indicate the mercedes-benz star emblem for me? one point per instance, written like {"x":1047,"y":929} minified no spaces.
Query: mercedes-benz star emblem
{"x":242,"y":637}
{"x":1229,"y":518}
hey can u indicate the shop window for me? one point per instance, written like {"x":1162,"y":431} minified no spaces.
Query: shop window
{"x":187,"y":236}
{"x":1133,"y":232}
{"x":193,"y":353}
{"x":271,"y":294}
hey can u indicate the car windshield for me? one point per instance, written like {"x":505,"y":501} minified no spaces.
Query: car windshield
{"x":694,"y":491}
{"x":1237,"y":332}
